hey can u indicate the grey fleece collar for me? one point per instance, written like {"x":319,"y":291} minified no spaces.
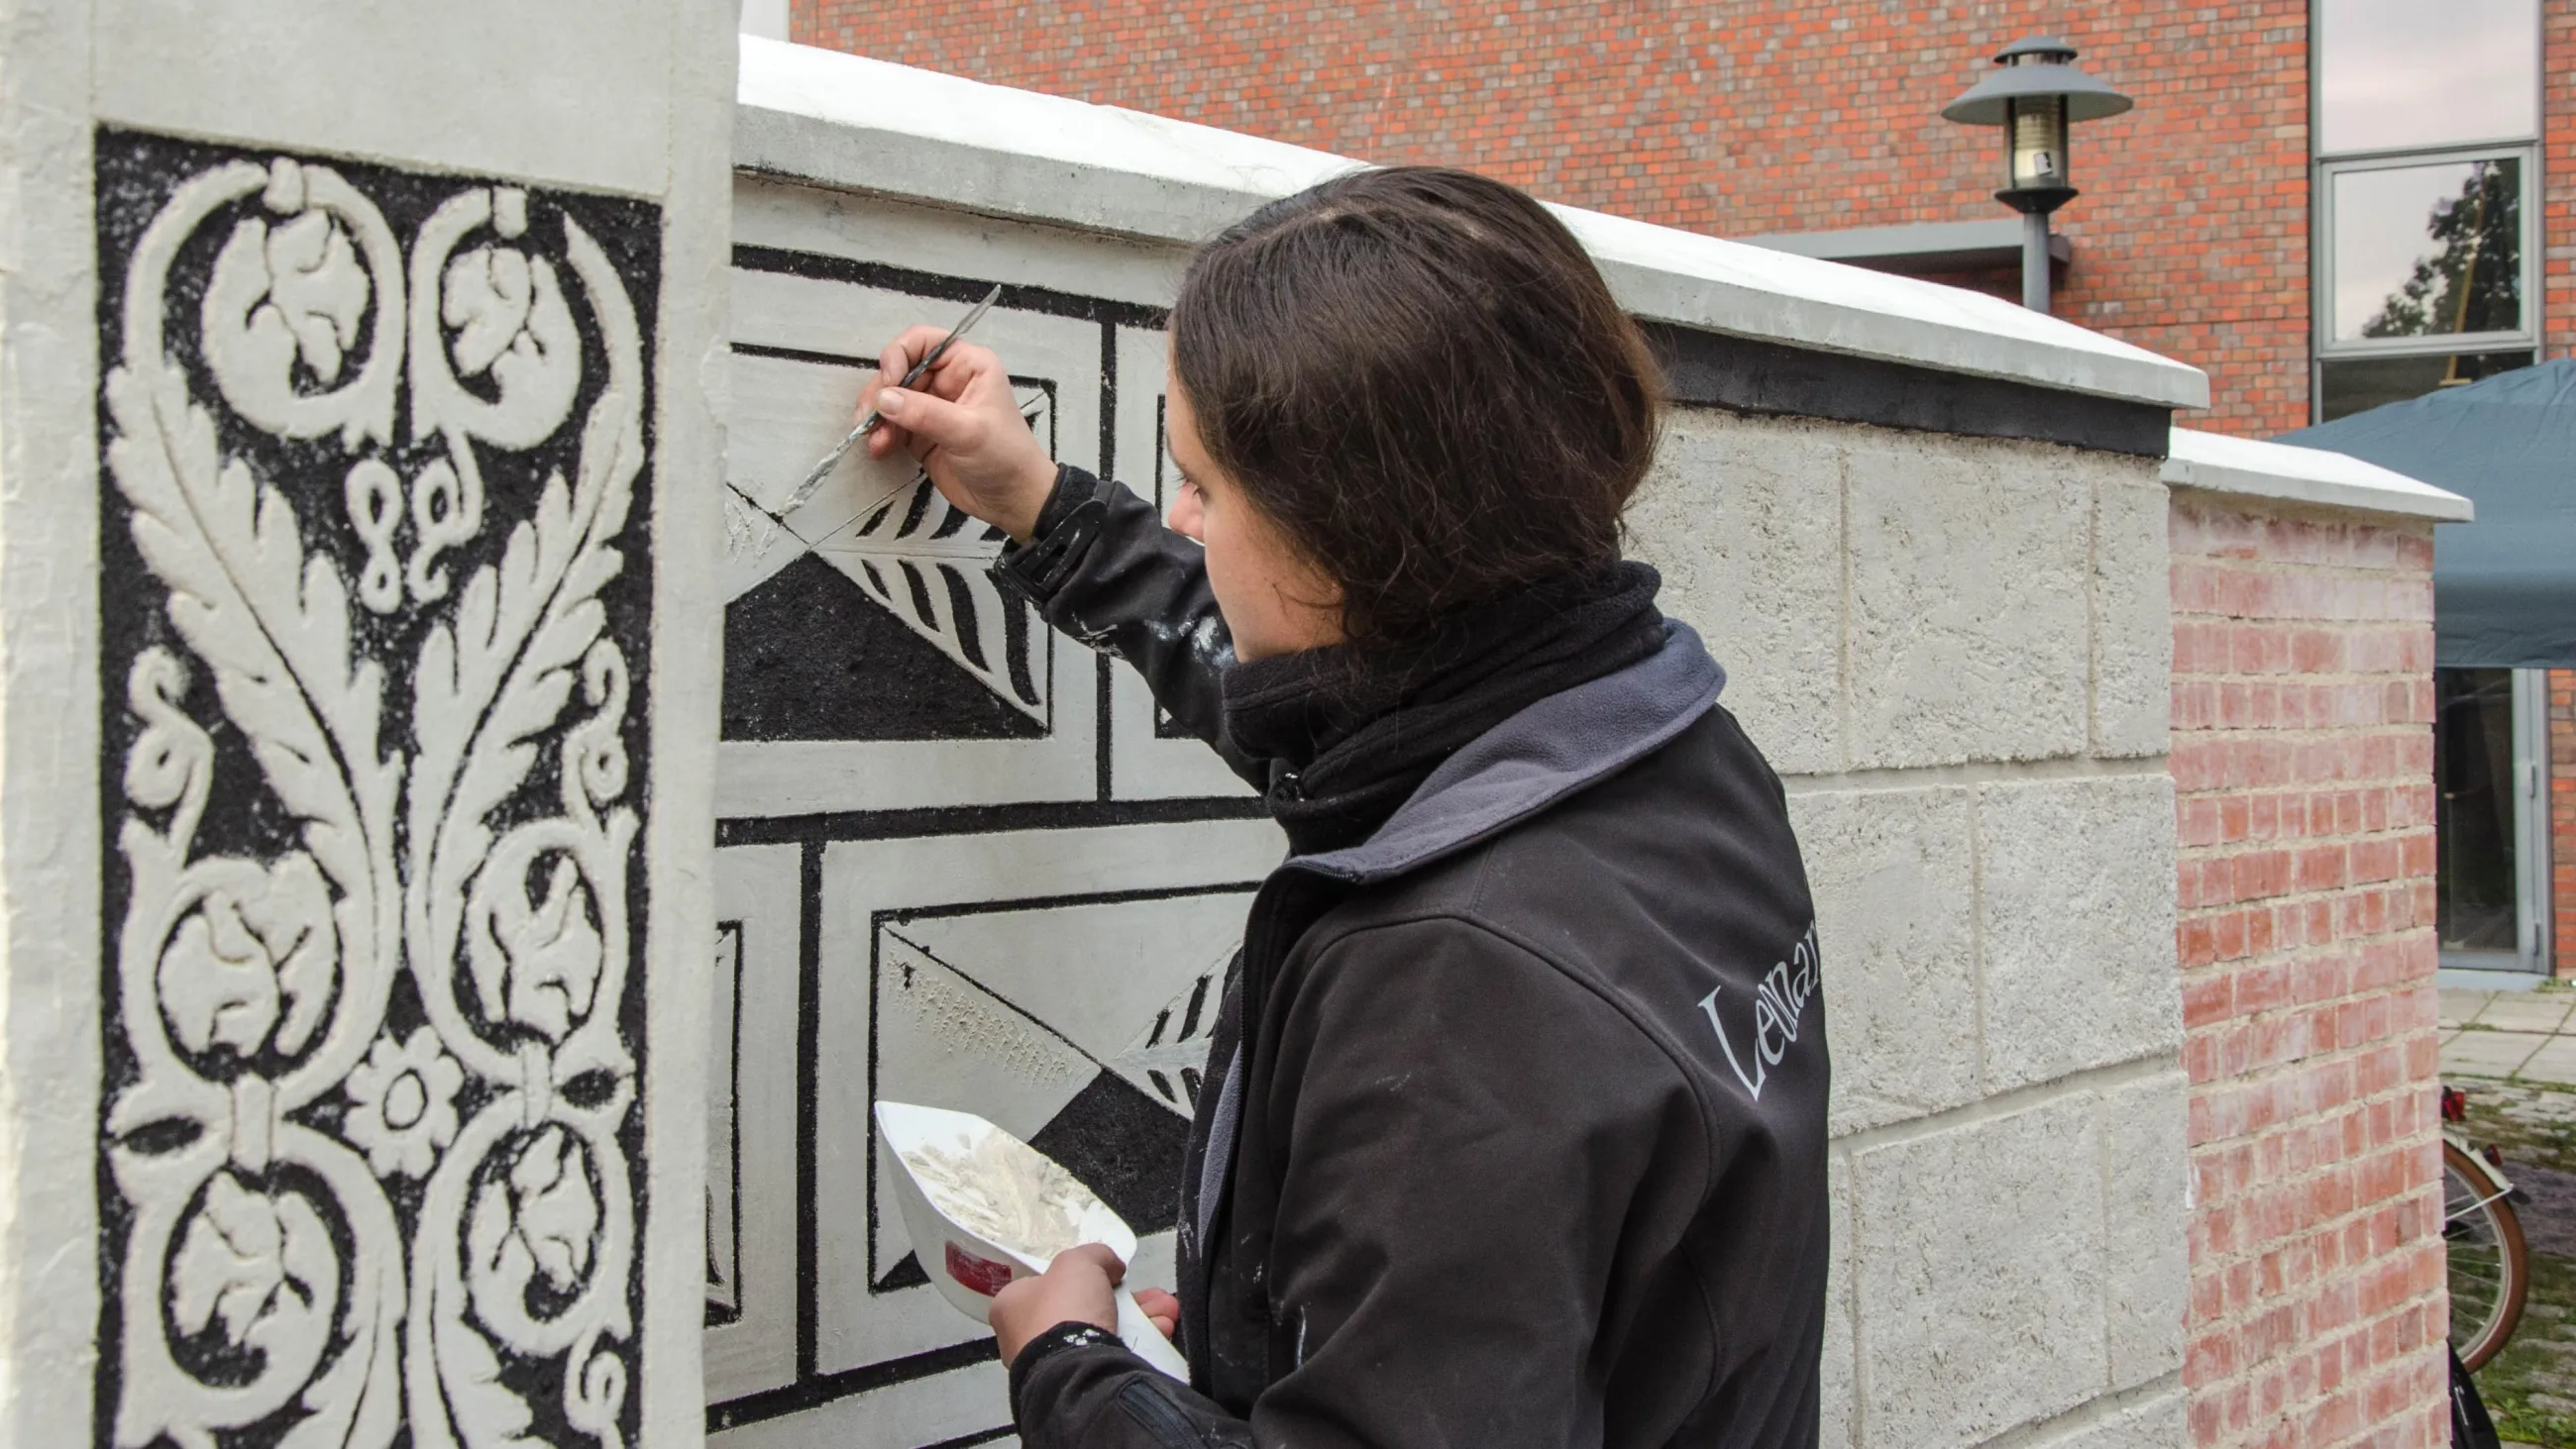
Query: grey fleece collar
{"x":1535,"y":758}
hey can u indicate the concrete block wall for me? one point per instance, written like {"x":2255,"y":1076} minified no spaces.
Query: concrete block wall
{"x":1954,"y":650}
{"x":2302,"y":762}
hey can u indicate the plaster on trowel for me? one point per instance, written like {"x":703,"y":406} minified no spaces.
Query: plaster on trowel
{"x":984,"y":1208}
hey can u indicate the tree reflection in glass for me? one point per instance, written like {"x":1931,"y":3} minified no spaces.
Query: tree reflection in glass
{"x":2389,"y":283}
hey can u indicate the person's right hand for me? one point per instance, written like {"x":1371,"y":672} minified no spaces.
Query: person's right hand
{"x":963,"y":423}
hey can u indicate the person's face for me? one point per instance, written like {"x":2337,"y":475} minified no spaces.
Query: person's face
{"x":1275,"y":601}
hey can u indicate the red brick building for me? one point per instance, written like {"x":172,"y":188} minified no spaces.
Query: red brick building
{"x":2262,"y":214}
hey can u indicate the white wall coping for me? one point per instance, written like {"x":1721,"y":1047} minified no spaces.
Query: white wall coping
{"x":2251,"y":468}
{"x":854,"y":124}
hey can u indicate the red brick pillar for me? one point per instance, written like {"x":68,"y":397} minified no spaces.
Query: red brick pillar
{"x":2302,"y":760}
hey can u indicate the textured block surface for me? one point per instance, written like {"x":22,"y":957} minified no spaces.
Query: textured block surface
{"x":2154,"y":1422}
{"x":1978,"y":1259}
{"x":2077,"y":918}
{"x":2144,"y":1182}
{"x":2132,"y":616}
{"x":1969,"y":565}
{"x":1894,"y":877}
{"x":1744,"y":518}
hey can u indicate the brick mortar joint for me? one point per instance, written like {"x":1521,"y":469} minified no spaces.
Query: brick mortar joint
{"x":2190,"y":914}
{"x":2262,"y":1015}
{"x":2295,"y":843}
{"x":2359,"y":1327}
{"x":2288,"y":1357}
{"x":2276,"y":1073}
{"x":2289,"y":568}
{"x":2228,"y":734}
{"x":2303,"y":621}
{"x":2359,"y":1386}
{"x":2199,"y":1329}
{"x":2305,"y":676}
{"x":2394,"y":1097}
{"x":2200,"y":1152}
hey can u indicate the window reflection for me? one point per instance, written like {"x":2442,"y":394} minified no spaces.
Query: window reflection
{"x":2358,"y":384}
{"x":2403,"y":73}
{"x":2474,"y":834}
{"x":2427,"y":250}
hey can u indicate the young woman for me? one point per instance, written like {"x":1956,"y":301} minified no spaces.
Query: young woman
{"x":1521,"y":1133}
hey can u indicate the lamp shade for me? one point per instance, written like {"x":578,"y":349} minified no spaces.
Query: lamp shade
{"x":2029,"y":70}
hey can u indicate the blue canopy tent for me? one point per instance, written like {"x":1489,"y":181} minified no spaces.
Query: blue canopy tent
{"x":2504,"y":587}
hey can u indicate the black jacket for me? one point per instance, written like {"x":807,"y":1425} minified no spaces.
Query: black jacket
{"x":1521,"y":1138}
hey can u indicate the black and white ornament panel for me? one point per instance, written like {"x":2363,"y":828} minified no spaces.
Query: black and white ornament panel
{"x":375,"y":620}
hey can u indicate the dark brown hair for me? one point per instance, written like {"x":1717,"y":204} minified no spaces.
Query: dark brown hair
{"x":1421,"y":378}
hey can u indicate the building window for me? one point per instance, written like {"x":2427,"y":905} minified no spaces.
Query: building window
{"x":2490,"y":764}
{"x":2425,"y":182}
{"x":2427,"y":127}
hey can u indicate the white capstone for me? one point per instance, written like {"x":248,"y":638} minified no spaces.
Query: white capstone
{"x":862,"y":125}
{"x":2252,"y":468}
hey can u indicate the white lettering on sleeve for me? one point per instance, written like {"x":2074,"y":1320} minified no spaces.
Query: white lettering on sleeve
{"x":1779,"y":1006}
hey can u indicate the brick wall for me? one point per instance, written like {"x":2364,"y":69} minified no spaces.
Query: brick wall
{"x":2302,"y":760}
{"x":1741,"y":118}
{"x":2558,"y":176}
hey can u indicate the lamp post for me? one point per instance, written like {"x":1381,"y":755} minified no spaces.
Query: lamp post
{"x":2035,"y":93}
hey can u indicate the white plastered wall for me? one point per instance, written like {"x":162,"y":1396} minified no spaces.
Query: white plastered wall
{"x":544,"y":106}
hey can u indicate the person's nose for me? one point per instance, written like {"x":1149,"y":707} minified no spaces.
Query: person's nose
{"x":1183,"y":516}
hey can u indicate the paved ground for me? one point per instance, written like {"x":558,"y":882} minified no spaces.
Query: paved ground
{"x":2524,"y":1035}
{"x":2515,"y":1053}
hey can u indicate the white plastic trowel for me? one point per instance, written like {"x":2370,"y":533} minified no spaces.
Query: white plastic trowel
{"x":984,"y":1208}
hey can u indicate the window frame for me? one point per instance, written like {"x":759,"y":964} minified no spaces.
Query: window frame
{"x":2322,"y":178}
{"x":2323,"y":166}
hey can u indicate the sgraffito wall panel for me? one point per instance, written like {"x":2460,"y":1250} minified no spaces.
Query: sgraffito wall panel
{"x":375,"y":758}
{"x":356,"y":737}
{"x":962,"y":861}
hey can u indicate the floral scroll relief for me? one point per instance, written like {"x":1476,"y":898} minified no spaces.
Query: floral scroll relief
{"x":371,"y":1134}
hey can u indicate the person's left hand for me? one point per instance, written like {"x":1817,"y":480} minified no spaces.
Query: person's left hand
{"x":1075,"y":1288}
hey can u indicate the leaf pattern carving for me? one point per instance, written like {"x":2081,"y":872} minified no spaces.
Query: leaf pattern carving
{"x":256,"y":981}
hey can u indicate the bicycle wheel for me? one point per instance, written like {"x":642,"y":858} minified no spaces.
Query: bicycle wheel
{"x":2490,"y":1274}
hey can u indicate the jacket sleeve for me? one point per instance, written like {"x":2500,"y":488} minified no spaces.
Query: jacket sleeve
{"x":1102,"y":568}
{"x":1470,"y":1132}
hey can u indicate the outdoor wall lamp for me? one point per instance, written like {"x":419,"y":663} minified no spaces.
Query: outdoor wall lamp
{"x":2035,"y":93}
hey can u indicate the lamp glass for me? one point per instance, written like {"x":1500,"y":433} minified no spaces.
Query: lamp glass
{"x":2037,"y":136}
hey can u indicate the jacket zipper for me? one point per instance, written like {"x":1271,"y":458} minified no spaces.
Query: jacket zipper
{"x":1159,"y":1416}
